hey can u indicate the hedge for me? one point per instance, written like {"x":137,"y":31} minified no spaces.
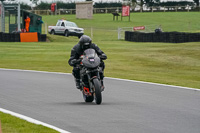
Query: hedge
{"x":171,"y":37}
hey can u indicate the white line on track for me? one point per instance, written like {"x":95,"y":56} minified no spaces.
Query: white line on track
{"x":58,"y":129}
{"x":151,"y":83}
{"x":135,"y":81}
{"x":32,"y":120}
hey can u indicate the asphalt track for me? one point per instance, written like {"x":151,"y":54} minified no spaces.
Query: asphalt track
{"x":127,"y":107}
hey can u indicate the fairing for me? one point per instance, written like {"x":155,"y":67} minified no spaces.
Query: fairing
{"x":90,"y":59}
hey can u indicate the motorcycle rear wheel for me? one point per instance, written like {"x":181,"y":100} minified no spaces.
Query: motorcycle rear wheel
{"x":97,"y":91}
{"x":88,"y":99}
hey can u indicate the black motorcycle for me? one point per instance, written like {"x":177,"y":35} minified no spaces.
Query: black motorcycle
{"x":90,"y":70}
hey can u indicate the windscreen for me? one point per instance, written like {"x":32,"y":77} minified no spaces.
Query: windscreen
{"x":90,"y":53}
{"x":71,"y":24}
{"x":90,"y":59}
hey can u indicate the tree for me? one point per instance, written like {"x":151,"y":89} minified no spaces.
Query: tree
{"x":148,"y":3}
{"x":197,"y":2}
{"x":133,"y":3}
{"x":141,"y":5}
{"x":25,"y":6}
{"x":35,"y":2}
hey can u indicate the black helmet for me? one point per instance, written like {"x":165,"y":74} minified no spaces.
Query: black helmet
{"x":85,"y":42}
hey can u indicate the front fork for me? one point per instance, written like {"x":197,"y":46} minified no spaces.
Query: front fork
{"x":89,"y":88}
{"x":90,"y":81}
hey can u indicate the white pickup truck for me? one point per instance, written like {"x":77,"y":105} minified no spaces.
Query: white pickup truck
{"x":66,"y":28}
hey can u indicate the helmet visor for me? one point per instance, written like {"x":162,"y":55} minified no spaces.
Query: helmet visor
{"x":86,"y":46}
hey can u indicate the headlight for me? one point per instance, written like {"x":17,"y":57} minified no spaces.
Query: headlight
{"x":71,"y":29}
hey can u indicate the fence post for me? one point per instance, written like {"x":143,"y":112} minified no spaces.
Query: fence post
{"x":0,"y":127}
{"x":91,"y":32}
{"x":119,"y":31}
{"x":45,"y":25}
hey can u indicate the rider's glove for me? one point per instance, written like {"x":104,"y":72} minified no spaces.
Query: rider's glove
{"x":79,"y":60}
{"x":75,"y":61}
{"x":103,"y":57}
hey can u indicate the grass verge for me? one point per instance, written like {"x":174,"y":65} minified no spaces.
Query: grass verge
{"x":10,"y":124}
{"x":175,"y":64}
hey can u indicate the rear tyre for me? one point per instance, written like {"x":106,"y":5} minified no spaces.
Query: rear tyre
{"x":88,"y":99}
{"x":52,"y":32}
{"x":97,"y":90}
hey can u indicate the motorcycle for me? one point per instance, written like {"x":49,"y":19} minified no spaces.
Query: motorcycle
{"x":90,"y":70}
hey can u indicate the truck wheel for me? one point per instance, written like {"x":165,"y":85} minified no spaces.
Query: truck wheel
{"x":79,"y":36}
{"x":52,"y":32}
{"x":66,"y":33}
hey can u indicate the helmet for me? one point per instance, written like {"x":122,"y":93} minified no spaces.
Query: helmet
{"x":85,"y":42}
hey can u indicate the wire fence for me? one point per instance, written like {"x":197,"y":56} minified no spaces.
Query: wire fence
{"x":119,"y":10}
{"x":101,"y":34}
{"x":146,"y":29}
{"x":6,"y":26}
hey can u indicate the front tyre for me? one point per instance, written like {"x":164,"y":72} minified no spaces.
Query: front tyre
{"x":79,"y":36}
{"x":66,"y":33}
{"x":97,"y":91}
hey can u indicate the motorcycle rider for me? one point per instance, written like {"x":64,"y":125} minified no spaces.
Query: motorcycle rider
{"x":84,"y":43}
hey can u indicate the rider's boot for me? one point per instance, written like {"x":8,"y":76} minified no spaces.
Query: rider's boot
{"x":78,"y":86}
{"x":101,"y":77}
{"x":102,"y":85}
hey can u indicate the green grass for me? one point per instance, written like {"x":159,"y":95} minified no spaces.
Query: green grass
{"x":170,"y":21}
{"x":105,"y":29}
{"x":10,"y":124}
{"x":167,"y":63}
{"x":175,"y":64}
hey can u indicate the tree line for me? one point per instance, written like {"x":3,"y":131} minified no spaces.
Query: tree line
{"x":148,"y":3}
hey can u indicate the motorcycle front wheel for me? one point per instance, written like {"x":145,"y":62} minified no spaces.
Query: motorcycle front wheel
{"x":97,"y":91}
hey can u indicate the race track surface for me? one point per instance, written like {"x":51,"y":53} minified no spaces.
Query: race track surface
{"x":127,"y":107}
